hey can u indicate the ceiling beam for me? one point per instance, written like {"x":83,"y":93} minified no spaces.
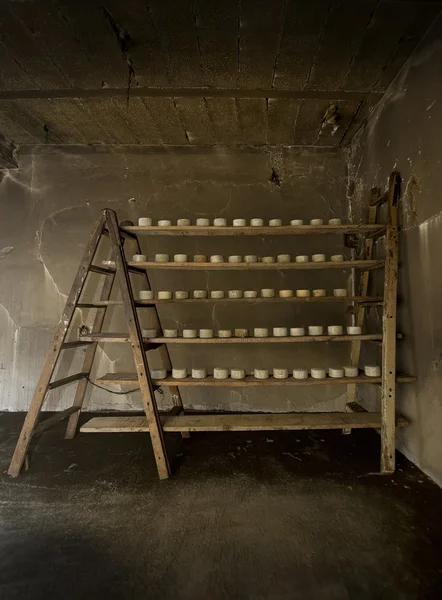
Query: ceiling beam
{"x":189,"y":93}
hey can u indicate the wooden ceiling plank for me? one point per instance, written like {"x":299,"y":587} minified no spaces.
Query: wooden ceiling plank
{"x":259,"y":36}
{"x":33,"y":125}
{"x":224,"y":119}
{"x":140,"y":120}
{"x":50,"y":30}
{"x":345,"y":27}
{"x":309,"y":120}
{"x":303,"y":24}
{"x":166,"y":119}
{"x":93,"y":29}
{"x":59,"y":124}
{"x":144,"y":51}
{"x":252,"y":121}
{"x":12,"y":76}
{"x":174,"y":23}
{"x":389,"y":24}
{"x":86,"y":122}
{"x":107,"y":114}
{"x":195,"y":119}
{"x":217,"y":32}
{"x":359,"y":119}
{"x":282,"y":115}
{"x":27,"y":52}
{"x":13,"y":130}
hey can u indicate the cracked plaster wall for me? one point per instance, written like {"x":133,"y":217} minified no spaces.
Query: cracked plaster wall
{"x":404,"y":134}
{"x":50,"y":204}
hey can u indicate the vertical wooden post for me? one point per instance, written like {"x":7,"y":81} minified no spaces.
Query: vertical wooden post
{"x":164,"y":351}
{"x":362,"y":291}
{"x":38,"y":399}
{"x":388,"y":398}
{"x":147,"y":393}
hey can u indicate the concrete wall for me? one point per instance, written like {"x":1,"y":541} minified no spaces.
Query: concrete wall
{"x":404,"y":134}
{"x":48,"y":209}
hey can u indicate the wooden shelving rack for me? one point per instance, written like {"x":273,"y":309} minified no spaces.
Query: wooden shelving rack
{"x":177,"y":420}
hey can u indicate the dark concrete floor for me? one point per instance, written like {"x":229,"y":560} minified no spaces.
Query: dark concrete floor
{"x":246,"y":516}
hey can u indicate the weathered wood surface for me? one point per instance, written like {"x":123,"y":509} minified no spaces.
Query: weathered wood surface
{"x":237,"y":422}
{"x":388,"y":393}
{"x":249,"y":381}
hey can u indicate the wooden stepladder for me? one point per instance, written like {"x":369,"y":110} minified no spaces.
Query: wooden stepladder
{"x":105,"y":229}
{"x":389,"y":305}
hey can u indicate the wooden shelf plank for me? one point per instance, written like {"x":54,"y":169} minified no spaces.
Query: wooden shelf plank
{"x":151,"y":343}
{"x":148,"y":303}
{"x":124,"y":337}
{"x":368,"y":299}
{"x":249,"y":381}
{"x":190,"y":266}
{"x":267,"y":340}
{"x":193,"y":230}
{"x":106,"y":337}
{"x":238,"y":422}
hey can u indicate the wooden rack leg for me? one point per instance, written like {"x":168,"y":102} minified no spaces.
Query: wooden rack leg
{"x":355,"y":351}
{"x":388,"y":397}
{"x":142,"y":368}
{"x":89,"y":358}
{"x":38,"y":399}
{"x":164,"y":351}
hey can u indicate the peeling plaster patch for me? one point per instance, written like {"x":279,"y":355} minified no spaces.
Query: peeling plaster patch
{"x":6,"y":250}
{"x":409,"y":204}
{"x":427,"y":266}
{"x":329,"y":205}
{"x":434,"y":219}
{"x":14,"y":176}
{"x":8,"y":316}
{"x":10,"y":332}
{"x":52,"y":281}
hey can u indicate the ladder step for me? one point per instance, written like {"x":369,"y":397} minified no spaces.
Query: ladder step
{"x":55,"y":419}
{"x":239,"y":422}
{"x":138,"y":270}
{"x":100,"y":304}
{"x":249,"y":381}
{"x":101,"y":270}
{"x":66,"y":380}
{"x":355,"y":407}
{"x":106,"y":337}
{"x":123,"y":233}
{"x":110,"y":271}
{"x":74,"y":344}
